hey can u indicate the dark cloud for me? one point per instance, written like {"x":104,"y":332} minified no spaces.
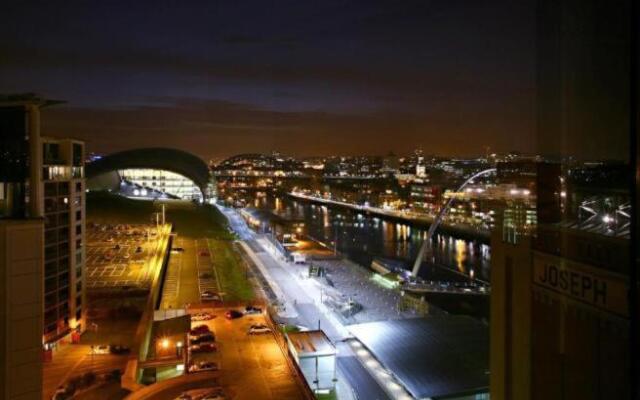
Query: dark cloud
{"x":216,"y":78}
{"x":215,"y":129}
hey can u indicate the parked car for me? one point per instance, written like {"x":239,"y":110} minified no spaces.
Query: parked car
{"x":204,"y":338}
{"x":178,"y":249}
{"x":252,"y":310}
{"x":214,"y":396}
{"x":203,"y":348}
{"x":101,"y":349}
{"x":61,"y":393}
{"x":204,"y":316}
{"x":202,"y":394}
{"x":209,"y":295}
{"x":233,"y":314}
{"x":203,"y":366}
{"x":199,"y":330}
{"x":119,"y":349}
{"x":259,"y":329}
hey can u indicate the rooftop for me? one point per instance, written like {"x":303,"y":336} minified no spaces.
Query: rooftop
{"x":433,"y":357}
{"x":26,"y":99}
{"x":311,"y":343}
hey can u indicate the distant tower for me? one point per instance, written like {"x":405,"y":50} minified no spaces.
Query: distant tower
{"x":421,"y":168}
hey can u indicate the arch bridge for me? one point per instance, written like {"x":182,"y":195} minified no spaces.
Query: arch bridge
{"x":438,"y":220}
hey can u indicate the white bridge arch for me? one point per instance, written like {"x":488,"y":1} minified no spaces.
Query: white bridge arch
{"x":438,"y":219}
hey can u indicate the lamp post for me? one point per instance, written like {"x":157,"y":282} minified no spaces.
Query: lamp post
{"x":335,"y":240}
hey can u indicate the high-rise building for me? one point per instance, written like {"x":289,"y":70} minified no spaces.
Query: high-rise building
{"x":21,"y":254}
{"x":559,"y":311}
{"x":42,"y":214}
{"x":63,"y":209}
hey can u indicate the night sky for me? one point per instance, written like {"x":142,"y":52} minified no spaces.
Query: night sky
{"x":304,"y":78}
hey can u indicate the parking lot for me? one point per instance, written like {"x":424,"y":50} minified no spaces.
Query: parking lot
{"x":251,"y":366}
{"x":208,"y":281}
{"x":118,"y":255}
{"x":190,"y":273}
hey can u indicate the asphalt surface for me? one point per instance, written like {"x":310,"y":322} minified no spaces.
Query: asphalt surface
{"x":251,"y":366}
{"x":181,"y":282}
{"x":111,"y":267}
{"x":309,"y":314}
{"x":71,"y":360}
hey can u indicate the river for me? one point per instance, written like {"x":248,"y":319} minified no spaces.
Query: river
{"x":362,"y":237}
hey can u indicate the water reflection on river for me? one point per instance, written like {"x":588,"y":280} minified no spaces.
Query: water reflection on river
{"x":362,"y":237}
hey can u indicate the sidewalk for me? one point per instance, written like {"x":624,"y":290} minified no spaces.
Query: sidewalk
{"x":288,"y":309}
{"x":307,"y":292}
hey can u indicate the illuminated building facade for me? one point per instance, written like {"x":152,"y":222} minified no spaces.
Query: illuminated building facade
{"x":64,"y":207}
{"x":153,"y":173}
{"x":425,"y":197}
{"x":159,"y":182}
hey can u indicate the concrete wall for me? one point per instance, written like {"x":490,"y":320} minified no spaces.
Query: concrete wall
{"x":511,"y":315}
{"x":21,"y":306}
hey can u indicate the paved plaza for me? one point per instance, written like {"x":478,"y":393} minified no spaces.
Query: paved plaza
{"x":347,"y":280}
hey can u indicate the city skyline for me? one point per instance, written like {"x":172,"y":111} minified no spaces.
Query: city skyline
{"x":338,"y":200}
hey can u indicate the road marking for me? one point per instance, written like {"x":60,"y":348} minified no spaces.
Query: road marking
{"x":215,"y":269}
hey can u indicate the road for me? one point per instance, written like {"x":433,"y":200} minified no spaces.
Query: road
{"x":305,"y":296}
{"x":71,"y":360}
{"x":181,"y":281}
